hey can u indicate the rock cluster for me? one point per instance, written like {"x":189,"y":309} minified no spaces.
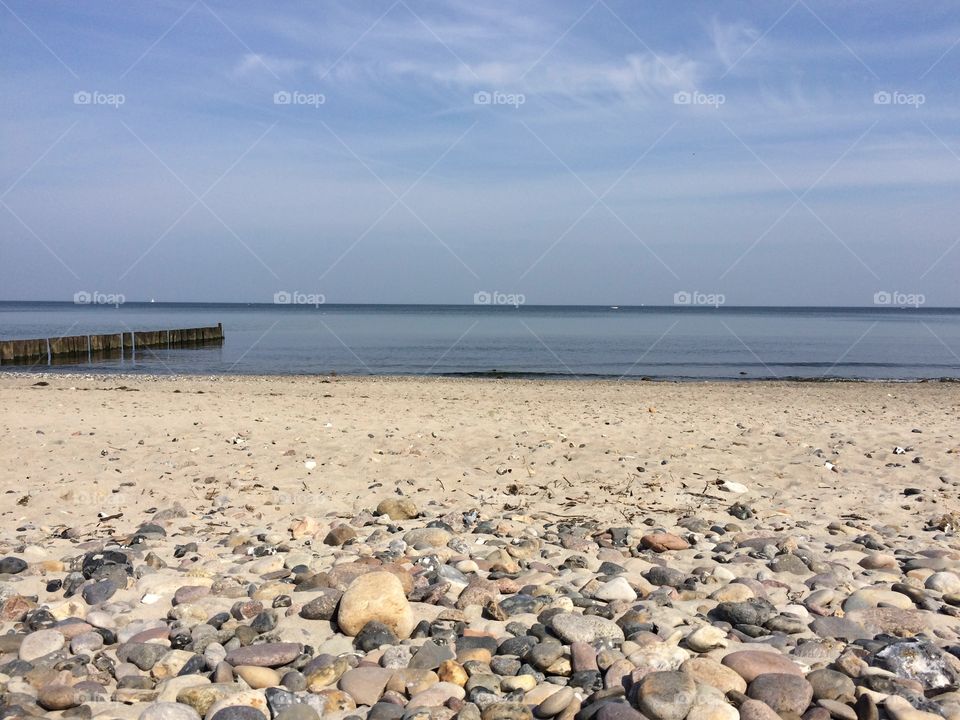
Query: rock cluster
{"x":402,"y":612}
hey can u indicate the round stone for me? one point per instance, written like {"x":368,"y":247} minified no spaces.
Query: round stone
{"x":943,"y":582}
{"x":322,"y":606}
{"x":871,"y":597}
{"x":12,"y":566}
{"x":398,"y":508}
{"x":169,"y":711}
{"x":705,"y":638}
{"x":756,"y":710}
{"x":750,"y":664}
{"x":831,"y":685}
{"x":56,"y":696}
{"x":438,"y":694}
{"x":376,"y":596}
{"x":555,"y":704}
{"x":617,"y":711}
{"x":258,"y":677}
{"x":787,"y":694}
{"x":506,"y":711}
{"x":572,"y":627}
{"x":365,"y":684}
{"x":40,"y":643}
{"x":666,"y":695}
{"x":617,"y":589}
{"x":99,"y":592}
{"x":713,"y":711}
{"x":879,"y":561}
{"x":662,"y":542}
{"x":709,"y":672}
{"x":427,"y":537}
{"x":237,"y":712}
{"x":301,"y":711}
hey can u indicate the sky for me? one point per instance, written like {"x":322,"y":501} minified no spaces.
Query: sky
{"x":404,"y":151}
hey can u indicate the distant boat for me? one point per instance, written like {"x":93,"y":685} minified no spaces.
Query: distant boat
{"x":614,"y":307}
{"x":152,"y":300}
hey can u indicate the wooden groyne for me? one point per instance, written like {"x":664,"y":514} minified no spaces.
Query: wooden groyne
{"x":77,"y":348}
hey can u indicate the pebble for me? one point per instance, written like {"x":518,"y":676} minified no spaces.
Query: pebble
{"x":436,"y":695}
{"x":555,"y":704}
{"x":829,"y":684}
{"x":573,"y":627}
{"x":787,"y":694}
{"x":757,"y":710}
{"x":749,"y":664}
{"x":41,"y":643}
{"x":169,"y":711}
{"x":12,"y":565}
{"x":398,"y":508}
{"x":323,"y":606}
{"x":617,"y":589}
{"x":264,"y":654}
{"x":666,"y":695}
{"x":709,"y":672}
{"x":258,"y":677}
{"x":506,"y":711}
{"x":57,"y":696}
{"x":943,"y":582}
{"x":301,"y":711}
{"x":375,"y":596}
{"x":663,"y":541}
{"x":706,"y":638}
{"x":365,"y":684}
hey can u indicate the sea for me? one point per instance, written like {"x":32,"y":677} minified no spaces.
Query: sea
{"x":684,"y":343}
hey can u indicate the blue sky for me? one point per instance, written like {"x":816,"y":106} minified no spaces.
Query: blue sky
{"x":611,"y":152}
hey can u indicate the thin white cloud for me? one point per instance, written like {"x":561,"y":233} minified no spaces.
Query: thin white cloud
{"x":732,"y":40}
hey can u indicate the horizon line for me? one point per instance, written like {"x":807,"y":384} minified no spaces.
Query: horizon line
{"x":504,"y":306}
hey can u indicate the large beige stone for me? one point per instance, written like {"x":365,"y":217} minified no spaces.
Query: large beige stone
{"x":376,"y":596}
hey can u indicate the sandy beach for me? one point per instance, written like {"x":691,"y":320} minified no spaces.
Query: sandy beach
{"x":184,"y":547}
{"x":604,"y":450}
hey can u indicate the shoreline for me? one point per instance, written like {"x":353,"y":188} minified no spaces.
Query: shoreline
{"x":478,"y":376}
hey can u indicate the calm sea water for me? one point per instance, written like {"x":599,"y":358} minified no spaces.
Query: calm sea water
{"x":655,"y":342}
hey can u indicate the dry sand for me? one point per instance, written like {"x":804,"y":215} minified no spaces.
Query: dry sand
{"x":605,"y":450}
